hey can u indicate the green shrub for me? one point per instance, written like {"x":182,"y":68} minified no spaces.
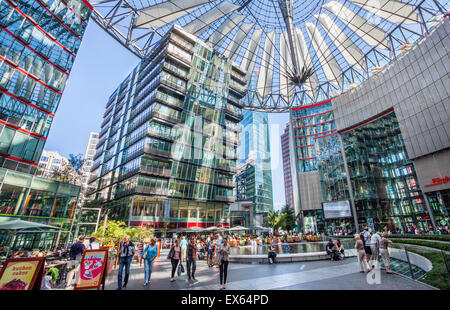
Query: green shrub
{"x":426,"y":237}
{"x":438,"y":276}
{"x":430,"y":244}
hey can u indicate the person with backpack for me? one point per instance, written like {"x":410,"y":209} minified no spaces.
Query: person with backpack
{"x":76,"y":251}
{"x":126,"y":253}
{"x":149,"y":255}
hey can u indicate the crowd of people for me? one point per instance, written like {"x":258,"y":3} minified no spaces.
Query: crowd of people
{"x":395,"y":230}
{"x":215,"y":249}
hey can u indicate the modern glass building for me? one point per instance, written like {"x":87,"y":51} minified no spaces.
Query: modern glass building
{"x":166,"y":155}
{"x":287,"y":172}
{"x":312,"y":128}
{"x":38,"y":44}
{"x":254,"y":179}
{"x":382,"y":146}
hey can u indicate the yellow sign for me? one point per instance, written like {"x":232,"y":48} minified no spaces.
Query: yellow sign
{"x":20,"y":274}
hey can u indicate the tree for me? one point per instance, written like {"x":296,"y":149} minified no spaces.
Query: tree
{"x":289,"y":218}
{"x":274,"y":220}
{"x":115,"y":230}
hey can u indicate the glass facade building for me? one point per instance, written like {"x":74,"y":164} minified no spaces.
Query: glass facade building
{"x":309,"y":124}
{"x":287,"y":167}
{"x":38,"y":43}
{"x":166,"y":155}
{"x":254,"y":181}
{"x":385,"y":186}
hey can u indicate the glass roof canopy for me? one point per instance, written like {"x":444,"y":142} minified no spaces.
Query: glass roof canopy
{"x":296,"y":52}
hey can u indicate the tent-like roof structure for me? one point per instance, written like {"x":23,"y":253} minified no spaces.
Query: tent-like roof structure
{"x":20,"y":225}
{"x":294,"y":52}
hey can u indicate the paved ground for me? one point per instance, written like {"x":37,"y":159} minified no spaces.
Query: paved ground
{"x":314,"y":275}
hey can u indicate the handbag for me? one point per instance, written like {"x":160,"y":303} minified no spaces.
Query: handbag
{"x":180,"y":269}
{"x":217,"y":259}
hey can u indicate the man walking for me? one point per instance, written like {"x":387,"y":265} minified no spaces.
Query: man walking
{"x":183,"y":248}
{"x":126,"y":254}
{"x":366,"y":240}
{"x":191,"y":259}
{"x":76,"y":251}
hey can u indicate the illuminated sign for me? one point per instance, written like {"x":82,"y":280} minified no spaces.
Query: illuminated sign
{"x":438,"y":181}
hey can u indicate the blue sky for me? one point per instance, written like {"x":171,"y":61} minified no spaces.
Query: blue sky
{"x":100,"y":66}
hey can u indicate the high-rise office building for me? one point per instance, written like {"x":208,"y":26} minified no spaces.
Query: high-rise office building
{"x":38,"y":44}
{"x":89,"y":157}
{"x":254,"y":180}
{"x":166,"y":155}
{"x":287,"y":173}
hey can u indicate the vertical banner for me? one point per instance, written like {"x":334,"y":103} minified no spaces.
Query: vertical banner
{"x":21,"y":274}
{"x":92,"y":269}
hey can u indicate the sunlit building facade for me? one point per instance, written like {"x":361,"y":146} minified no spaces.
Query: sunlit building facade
{"x":254,"y":181}
{"x":166,"y":155}
{"x":382,"y":146}
{"x":287,"y":168}
{"x":38,"y":44}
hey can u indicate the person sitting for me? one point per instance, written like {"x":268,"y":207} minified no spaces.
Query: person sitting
{"x":340,"y":249}
{"x":331,"y":248}
{"x":272,"y":254}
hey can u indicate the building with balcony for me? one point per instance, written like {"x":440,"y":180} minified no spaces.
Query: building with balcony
{"x":38,"y":44}
{"x":166,"y":155}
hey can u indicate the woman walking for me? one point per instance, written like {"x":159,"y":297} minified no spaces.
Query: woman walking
{"x":224,"y":253}
{"x":174,"y":256}
{"x":384,"y":243}
{"x":149,"y":254}
{"x":211,"y":248}
{"x":359,"y":246}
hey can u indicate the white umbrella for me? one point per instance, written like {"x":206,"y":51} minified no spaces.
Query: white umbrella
{"x":195,"y":229}
{"x":16,"y":225}
{"x":19,"y":225}
{"x":211,"y":228}
{"x":237,"y":228}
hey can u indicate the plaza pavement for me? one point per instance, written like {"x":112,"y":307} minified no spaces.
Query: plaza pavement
{"x":313,"y":275}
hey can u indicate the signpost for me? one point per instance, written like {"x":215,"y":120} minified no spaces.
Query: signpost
{"x":92,"y":270}
{"x":22,"y":273}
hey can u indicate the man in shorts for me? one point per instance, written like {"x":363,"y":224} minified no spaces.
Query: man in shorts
{"x":366,"y":240}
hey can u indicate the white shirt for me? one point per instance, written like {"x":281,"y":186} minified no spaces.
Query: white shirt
{"x":46,"y":283}
{"x":93,"y":246}
{"x":375,"y":239}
